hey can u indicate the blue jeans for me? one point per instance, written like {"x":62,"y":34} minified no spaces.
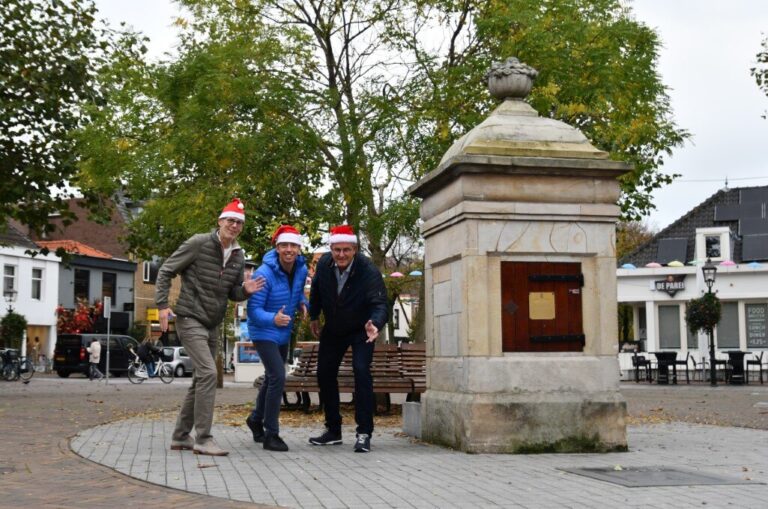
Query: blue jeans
{"x":267,"y":405}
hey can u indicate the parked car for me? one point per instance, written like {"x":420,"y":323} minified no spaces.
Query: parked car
{"x":178,"y":359}
{"x":70,"y":355}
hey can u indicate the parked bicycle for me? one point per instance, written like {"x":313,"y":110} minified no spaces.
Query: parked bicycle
{"x":138,"y":372}
{"x":15,"y":367}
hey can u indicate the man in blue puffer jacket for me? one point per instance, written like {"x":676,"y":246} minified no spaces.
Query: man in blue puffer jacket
{"x":270,"y":313}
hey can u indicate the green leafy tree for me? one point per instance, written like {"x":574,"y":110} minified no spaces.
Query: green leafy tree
{"x":49,"y":50}
{"x":597,"y":72}
{"x":358,"y":99}
{"x":12,"y":328}
{"x":223,"y":119}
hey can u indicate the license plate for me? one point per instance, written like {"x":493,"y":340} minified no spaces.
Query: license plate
{"x":60,"y":359}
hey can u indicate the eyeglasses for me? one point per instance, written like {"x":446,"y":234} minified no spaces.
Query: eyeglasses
{"x":232,"y":221}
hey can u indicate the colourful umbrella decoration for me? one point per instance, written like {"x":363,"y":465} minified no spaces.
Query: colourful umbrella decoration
{"x":727,"y":263}
{"x":415,"y":273}
{"x":653,"y":265}
{"x":628,"y":266}
{"x":396,"y":274}
{"x":675,"y":263}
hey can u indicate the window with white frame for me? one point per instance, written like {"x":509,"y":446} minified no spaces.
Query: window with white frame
{"x":37,"y":284}
{"x":713,"y":244}
{"x":396,"y":319}
{"x":728,"y":327}
{"x":669,"y":326}
{"x":9,"y":280}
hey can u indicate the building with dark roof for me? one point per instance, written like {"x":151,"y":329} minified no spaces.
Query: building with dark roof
{"x":730,"y":228}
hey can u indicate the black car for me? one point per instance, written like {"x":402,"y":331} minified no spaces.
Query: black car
{"x":70,"y":355}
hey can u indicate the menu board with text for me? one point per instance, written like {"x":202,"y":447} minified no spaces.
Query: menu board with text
{"x":756,"y":325}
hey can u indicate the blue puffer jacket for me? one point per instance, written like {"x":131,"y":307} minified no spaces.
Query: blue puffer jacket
{"x":264,"y":305}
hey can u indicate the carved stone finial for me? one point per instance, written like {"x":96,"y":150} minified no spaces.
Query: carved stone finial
{"x":510,"y":79}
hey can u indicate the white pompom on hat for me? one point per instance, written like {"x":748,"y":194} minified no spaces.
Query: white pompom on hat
{"x":342,"y":233}
{"x":234,"y":209}
{"x":287,"y":233}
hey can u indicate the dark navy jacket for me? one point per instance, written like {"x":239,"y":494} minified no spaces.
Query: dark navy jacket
{"x":363,"y":298}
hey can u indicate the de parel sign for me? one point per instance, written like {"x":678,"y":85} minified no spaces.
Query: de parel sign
{"x":671,"y":284}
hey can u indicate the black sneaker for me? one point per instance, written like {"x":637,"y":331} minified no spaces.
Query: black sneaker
{"x":363,"y":443}
{"x":257,"y":429}
{"x":327,"y":438}
{"x":275,"y":443}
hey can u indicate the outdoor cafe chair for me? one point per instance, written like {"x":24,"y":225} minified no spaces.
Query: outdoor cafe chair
{"x":640,"y":362}
{"x":684,"y":363}
{"x":721,"y":366}
{"x":758,"y":361}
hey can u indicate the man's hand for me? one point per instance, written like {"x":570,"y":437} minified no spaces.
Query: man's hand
{"x":164,"y":315}
{"x":314,"y":327}
{"x":372,"y":331}
{"x":281,"y":319}
{"x":254,"y":285}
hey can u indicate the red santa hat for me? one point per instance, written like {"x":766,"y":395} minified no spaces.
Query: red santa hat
{"x":234,"y":209}
{"x":342,"y":233}
{"x":287,"y":233}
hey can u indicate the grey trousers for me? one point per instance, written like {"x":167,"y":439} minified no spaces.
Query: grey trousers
{"x":197,"y":407}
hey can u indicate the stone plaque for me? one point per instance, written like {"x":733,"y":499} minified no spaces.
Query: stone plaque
{"x":541,"y":305}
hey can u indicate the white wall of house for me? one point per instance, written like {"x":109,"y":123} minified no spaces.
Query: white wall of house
{"x":38,"y":309}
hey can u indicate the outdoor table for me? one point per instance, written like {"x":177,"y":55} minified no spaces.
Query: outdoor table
{"x":663,"y":361}
{"x":736,"y":359}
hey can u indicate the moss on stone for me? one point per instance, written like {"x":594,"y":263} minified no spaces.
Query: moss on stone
{"x":572,"y":444}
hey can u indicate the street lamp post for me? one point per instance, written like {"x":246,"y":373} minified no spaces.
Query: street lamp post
{"x":709,"y":270}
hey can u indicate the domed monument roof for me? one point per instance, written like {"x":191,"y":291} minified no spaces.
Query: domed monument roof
{"x":515,"y":128}
{"x":514,"y":139}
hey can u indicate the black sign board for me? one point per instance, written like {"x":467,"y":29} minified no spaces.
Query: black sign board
{"x":672,"y":284}
{"x":756,"y":325}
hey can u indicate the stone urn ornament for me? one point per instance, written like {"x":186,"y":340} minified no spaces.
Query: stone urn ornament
{"x":510,"y":79}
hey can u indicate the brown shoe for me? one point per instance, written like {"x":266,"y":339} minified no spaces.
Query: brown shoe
{"x":209,"y":449}
{"x":183,"y":445}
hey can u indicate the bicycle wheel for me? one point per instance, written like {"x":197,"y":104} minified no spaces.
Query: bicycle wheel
{"x":137,"y":374}
{"x":26,"y":369}
{"x":165,"y":373}
{"x":9,"y":372}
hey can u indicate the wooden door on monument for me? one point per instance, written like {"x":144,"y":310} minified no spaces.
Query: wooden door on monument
{"x":541,"y":307}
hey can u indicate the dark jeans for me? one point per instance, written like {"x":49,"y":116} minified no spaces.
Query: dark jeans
{"x":328,"y":360}
{"x":267,"y":406}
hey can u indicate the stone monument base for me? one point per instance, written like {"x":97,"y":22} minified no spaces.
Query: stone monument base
{"x":524,"y":423}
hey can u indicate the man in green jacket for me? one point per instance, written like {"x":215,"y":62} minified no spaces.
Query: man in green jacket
{"x":211,"y":267}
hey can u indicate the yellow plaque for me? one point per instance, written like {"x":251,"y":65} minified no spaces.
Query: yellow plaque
{"x":541,"y":305}
{"x":153,"y":314}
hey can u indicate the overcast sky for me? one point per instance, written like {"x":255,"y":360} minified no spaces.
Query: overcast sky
{"x":708,"y":49}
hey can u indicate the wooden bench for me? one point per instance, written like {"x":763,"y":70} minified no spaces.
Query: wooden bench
{"x":394,"y":371}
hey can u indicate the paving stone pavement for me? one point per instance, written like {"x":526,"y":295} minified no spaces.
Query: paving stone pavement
{"x":42,"y":421}
{"x":402,"y":474}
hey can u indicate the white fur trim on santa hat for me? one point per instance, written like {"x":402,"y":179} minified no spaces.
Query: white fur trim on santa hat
{"x":231,"y":213}
{"x":293,"y":238}
{"x":342,"y":237}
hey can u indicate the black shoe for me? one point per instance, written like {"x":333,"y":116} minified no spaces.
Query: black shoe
{"x":363,"y":443}
{"x":275,"y":443}
{"x":327,"y":438}
{"x":257,"y":429}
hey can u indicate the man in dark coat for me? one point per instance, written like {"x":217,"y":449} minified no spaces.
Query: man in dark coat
{"x":349,"y":290}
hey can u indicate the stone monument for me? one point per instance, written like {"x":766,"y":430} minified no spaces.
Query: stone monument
{"x":519,"y":221}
